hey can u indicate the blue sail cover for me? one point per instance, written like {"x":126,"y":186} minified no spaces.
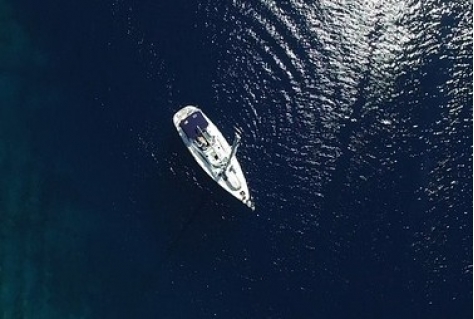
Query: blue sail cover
{"x":192,"y":122}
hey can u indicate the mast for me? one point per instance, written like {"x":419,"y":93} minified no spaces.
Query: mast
{"x":235,"y":144}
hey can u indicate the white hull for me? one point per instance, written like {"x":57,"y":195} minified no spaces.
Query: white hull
{"x":213,"y":157}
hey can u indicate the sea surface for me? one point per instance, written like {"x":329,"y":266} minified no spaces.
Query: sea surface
{"x":356,"y":118}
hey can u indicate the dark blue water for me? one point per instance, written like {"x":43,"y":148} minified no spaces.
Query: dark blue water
{"x":357,"y":147}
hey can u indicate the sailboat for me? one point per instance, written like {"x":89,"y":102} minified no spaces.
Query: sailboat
{"x":212,"y":151}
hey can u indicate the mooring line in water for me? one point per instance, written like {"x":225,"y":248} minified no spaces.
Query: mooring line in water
{"x":185,"y":226}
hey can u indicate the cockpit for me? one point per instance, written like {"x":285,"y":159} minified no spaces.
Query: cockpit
{"x":195,"y":126}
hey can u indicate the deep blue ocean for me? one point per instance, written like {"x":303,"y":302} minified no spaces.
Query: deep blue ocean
{"x":356,"y":117}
